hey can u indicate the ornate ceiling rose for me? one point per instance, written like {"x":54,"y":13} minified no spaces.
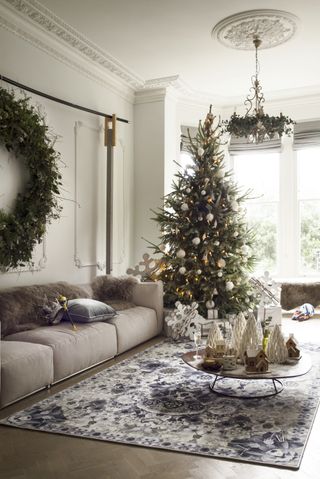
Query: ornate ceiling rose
{"x":273,"y":27}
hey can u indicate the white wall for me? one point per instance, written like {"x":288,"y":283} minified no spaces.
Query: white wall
{"x":29,"y":65}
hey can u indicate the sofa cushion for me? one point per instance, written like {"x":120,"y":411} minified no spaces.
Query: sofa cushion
{"x":108,"y":287}
{"x":73,"y":351}
{"x":134,"y":326}
{"x":20,"y":307}
{"x":85,"y":310}
{"x":25,"y":368}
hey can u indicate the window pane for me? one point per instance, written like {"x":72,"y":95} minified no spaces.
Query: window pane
{"x":260,"y":173}
{"x":308,"y":173}
{"x":310,"y":236}
{"x":263,"y":219}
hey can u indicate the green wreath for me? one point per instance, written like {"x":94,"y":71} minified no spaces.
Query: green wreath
{"x":24,"y":133}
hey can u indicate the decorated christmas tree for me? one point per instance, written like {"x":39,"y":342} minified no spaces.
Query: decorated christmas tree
{"x":206,"y":247}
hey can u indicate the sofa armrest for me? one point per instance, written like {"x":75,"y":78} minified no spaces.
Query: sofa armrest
{"x":150,"y":295}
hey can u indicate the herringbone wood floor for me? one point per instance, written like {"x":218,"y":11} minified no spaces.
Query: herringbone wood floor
{"x":35,"y":455}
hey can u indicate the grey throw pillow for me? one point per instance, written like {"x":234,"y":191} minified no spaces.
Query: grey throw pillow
{"x":84,"y":310}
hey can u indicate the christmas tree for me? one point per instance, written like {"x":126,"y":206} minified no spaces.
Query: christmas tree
{"x":206,"y":246}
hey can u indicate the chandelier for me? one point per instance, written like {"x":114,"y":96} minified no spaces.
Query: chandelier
{"x":256,"y":125}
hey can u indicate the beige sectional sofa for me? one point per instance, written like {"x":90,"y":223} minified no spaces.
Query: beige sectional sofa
{"x":36,"y":358}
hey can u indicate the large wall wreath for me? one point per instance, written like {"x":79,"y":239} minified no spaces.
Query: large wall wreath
{"x":24,"y":133}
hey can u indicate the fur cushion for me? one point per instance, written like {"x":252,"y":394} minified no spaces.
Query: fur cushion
{"x":296,"y":294}
{"x":106,"y":288}
{"x":21,"y":307}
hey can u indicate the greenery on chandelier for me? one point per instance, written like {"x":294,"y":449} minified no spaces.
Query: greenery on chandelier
{"x":248,"y":125}
{"x":206,"y":247}
{"x":23,"y":133}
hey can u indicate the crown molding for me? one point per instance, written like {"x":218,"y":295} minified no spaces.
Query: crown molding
{"x":37,"y":25}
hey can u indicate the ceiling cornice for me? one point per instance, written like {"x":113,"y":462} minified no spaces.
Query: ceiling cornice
{"x":41,"y":17}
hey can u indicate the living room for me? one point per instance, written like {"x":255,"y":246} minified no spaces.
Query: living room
{"x":118,"y":83}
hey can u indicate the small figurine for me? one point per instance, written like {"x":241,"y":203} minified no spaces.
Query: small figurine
{"x":292,"y":347}
{"x":62,"y":300}
{"x":305,"y":312}
{"x":256,"y":360}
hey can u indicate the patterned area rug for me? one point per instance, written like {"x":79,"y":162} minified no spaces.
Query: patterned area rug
{"x":155,"y":400}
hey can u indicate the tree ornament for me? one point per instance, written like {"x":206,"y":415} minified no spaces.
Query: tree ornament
{"x":182,"y":270}
{"x":200,"y":151}
{"x":216,"y":243}
{"x":24,"y":134}
{"x":229,"y":286}
{"x":215,"y":292}
{"x":200,"y":218}
{"x":199,"y":271}
{"x":235,"y":234}
{"x":234,"y":205}
{"x":220,"y":274}
{"x":209,"y":217}
{"x":203,"y":192}
{"x":196,"y":240}
{"x":245,"y":249}
{"x":221,"y":263}
{"x":219,"y":174}
{"x":210,"y":304}
{"x":184,"y":207}
{"x":188,"y":190}
{"x":181,"y":253}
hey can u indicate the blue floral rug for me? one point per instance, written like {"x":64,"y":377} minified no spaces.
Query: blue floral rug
{"x":155,"y":400}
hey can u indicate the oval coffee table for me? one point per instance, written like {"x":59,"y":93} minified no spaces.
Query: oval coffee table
{"x":275,"y":374}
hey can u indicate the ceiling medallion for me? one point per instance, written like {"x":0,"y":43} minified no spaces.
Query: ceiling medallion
{"x":273,"y":27}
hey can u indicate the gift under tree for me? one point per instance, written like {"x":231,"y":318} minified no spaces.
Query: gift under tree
{"x":206,"y":247}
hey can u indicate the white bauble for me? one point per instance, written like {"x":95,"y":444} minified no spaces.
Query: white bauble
{"x":219,"y":174}
{"x":184,"y":207}
{"x":215,"y":292}
{"x":181,"y":253}
{"x":245,"y":249}
{"x":162,"y":247}
{"x":235,"y":234}
{"x":210,"y":304}
{"x":220,"y":274}
{"x":203,"y":192}
{"x":200,"y":151}
{"x":234,"y":205}
{"x":196,"y":240}
{"x":200,"y":218}
{"x":182,"y":270}
{"x":221,"y":263}
{"x":188,"y":190}
{"x":229,"y":285}
{"x":199,"y":271}
{"x":210,"y":217}
{"x":216,"y":243}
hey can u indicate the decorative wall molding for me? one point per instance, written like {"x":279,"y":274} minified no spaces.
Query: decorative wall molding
{"x":273,"y":27}
{"x":76,"y":256}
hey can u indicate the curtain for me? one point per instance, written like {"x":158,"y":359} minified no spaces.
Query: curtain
{"x":306,"y":135}
{"x":240,"y":146}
